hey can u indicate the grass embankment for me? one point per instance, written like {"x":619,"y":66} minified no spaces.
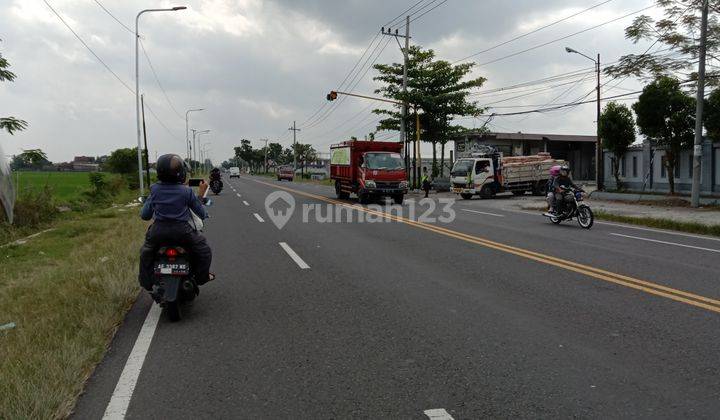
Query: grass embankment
{"x":689,"y":227}
{"x":66,"y":290}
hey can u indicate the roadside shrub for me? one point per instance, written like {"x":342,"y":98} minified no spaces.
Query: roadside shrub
{"x":35,"y":207}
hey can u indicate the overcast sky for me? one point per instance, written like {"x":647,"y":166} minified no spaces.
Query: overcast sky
{"x":258,"y":65}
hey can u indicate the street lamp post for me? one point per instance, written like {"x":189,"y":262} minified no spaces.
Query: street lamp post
{"x":200,"y":133}
{"x":187,"y":134}
{"x":194,"y":143}
{"x":599,"y":164}
{"x":137,"y":89}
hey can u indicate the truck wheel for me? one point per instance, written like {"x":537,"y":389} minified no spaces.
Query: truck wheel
{"x":466,"y":196}
{"x":486,"y":192}
{"x":339,"y":193}
{"x":538,"y":189}
{"x":518,"y":193}
{"x":398,"y":198}
{"x":363,"y":198}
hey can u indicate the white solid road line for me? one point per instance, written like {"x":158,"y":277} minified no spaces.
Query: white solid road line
{"x":483,"y":212}
{"x":257,"y":216}
{"x":299,"y":261}
{"x":246,"y":203}
{"x":666,"y":243}
{"x":438,"y":414}
{"x":120,"y":400}
{"x":668,"y":232}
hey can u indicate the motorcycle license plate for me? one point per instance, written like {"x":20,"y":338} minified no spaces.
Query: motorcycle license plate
{"x":172,"y":268}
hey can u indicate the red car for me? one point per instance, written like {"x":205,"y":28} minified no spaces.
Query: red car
{"x":285,"y":172}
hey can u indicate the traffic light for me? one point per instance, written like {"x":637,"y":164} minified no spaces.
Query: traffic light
{"x":332,"y":95}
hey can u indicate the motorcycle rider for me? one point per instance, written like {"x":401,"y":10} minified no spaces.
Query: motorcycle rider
{"x":170,"y":204}
{"x":560,"y":185}
{"x":549,"y":190}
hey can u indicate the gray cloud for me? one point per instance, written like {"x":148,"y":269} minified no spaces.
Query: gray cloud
{"x":256,"y":66}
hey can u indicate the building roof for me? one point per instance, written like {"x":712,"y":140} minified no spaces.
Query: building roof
{"x":528,"y":136}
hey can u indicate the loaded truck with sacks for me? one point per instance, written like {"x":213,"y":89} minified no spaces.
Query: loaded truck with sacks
{"x":487,"y":173}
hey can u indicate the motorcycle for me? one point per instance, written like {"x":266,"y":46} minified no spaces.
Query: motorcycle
{"x":570,"y":206}
{"x":173,"y":279}
{"x":216,"y":185}
{"x":173,"y":282}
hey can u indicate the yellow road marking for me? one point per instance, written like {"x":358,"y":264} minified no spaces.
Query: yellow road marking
{"x":627,"y":281}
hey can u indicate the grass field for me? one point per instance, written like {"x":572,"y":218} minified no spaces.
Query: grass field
{"x":66,"y":290}
{"x":65,"y":185}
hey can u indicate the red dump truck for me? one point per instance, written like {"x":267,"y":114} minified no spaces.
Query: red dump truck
{"x":370,"y":169}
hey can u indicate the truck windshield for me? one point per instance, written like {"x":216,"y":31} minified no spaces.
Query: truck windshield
{"x":383,"y":161}
{"x":462,"y":167}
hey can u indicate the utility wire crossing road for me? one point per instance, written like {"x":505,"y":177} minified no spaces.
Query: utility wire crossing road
{"x":494,"y":314}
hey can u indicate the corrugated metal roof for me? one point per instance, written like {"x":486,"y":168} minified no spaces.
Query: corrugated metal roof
{"x":528,"y":136}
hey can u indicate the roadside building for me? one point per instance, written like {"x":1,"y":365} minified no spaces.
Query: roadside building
{"x":642,"y":169}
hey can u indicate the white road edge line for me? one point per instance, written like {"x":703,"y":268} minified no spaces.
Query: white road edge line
{"x":483,"y":212}
{"x":246,"y":203}
{"x":666,"y":243}
{"x":257,"y":216}
{"x":299,"y":261}
{"x":438,"y":414}
{"x":120,"y":400}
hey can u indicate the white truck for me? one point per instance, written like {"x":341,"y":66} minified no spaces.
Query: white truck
{"x":488,"y":173}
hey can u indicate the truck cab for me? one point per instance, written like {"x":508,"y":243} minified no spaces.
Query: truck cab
{"x":370,"y":169}
{"x":475,"y":175}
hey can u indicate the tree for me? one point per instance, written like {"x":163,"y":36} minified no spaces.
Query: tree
{"x":305,"y":153}
{"x":9,"y":124}
{"x":617,"y":129}
{"x":712,"y":115}
{"x":123,"y":161}
{"x":439,"y":89}
{"x":666,"y":115}
{"x":30,"y":159}
{"x":679,"y":31}
{"x":275,"y":151}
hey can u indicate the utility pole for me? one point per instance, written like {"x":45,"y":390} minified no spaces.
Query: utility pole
{"x":403,"y":130}
{"x":697,"y":149}
{"x":599,"y":158}
{"x":266,"y":150}
{"x":294,"y":130}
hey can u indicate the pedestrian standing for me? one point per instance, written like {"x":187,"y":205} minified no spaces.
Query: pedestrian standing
{"x":425,"y":181}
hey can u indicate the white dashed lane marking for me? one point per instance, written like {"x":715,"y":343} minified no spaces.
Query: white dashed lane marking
{"x":295,"y":257}
{"x":259,"y":219}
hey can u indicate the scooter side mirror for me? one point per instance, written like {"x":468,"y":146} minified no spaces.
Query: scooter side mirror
{"x":141,"y":200}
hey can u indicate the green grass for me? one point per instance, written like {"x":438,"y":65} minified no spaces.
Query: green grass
{"x":67,"y":290}
{"x":689,"y":227}
{"x":66,"y":186}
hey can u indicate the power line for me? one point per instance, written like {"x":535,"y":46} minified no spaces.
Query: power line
{"x":401,"y":15}
{"x":113,"y":16}
{"x":104,"y":64}
{"x":157,"y":79}
{"x":534,"y":31}
{"x":428,"y":11}
{"x":544,"y":44}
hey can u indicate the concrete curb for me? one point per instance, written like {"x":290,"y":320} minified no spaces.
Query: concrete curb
{"x":636,"y":197}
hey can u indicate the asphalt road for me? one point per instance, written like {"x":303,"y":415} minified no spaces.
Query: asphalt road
{"x":490,"y":314}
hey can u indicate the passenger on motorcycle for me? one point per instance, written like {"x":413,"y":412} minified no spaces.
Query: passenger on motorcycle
{"x":169,"y":204}
{"x":549,"y":190}
{"x":561,"y":182}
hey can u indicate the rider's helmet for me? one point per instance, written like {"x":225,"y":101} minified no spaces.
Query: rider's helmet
{"x":171,"y":169}
{"x":566,"y":169}
{"x":555,"y":170}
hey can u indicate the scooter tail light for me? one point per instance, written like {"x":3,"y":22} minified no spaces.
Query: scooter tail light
{"x":171,"y":252}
